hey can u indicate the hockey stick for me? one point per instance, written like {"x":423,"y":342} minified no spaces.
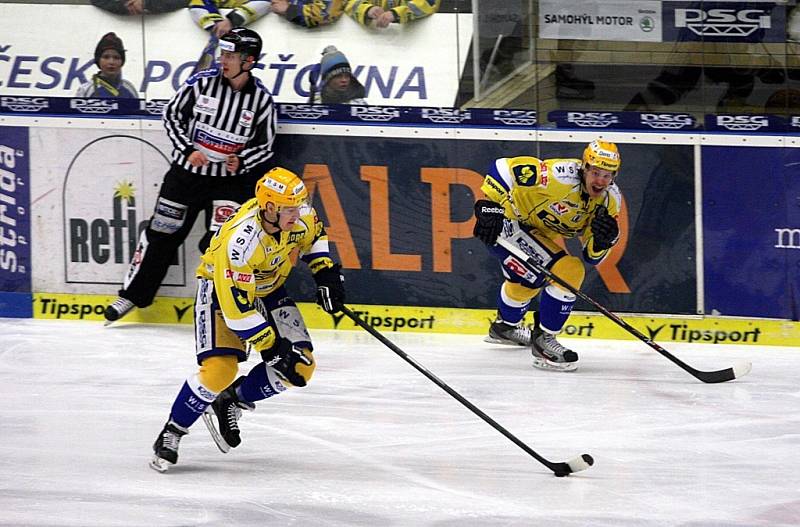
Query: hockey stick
{"x":581,"y":462}
{"x":207,"y":55}
{"x":738,"y":370}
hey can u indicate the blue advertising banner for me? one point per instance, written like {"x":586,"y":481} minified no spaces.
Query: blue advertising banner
{"x":666,"y":121}
{"x":724,"y":21}
{"x":751,"y":231}
{"x":332,"y":113}
{"x":400,"y":216}
{"x":15,"y":253}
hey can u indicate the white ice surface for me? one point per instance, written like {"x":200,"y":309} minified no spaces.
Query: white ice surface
{"x":373,"y":442}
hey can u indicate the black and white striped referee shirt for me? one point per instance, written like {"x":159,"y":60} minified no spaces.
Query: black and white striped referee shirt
{"x":206,"y":114}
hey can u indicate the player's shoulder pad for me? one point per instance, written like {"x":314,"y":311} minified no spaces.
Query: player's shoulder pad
{"x":564,"y":170}
{"x":614,"y":203}
{"x":204,"y":74}
{"x":243,"y":240}
{"x":308,"y":218}
{"x":524,"y":170}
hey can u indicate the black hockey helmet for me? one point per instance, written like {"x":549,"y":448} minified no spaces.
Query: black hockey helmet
{"x":241,"y":40}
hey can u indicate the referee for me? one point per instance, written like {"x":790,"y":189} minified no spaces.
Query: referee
{"x":222,"y":124}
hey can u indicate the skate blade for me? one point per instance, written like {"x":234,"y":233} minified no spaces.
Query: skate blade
{"x":544,"y":364}
{"x":160,"y":465}
{"x":223,"y":446}
{"x":493,"y":340}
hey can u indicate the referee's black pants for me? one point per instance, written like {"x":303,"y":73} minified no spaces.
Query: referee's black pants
{"x":182,"y":196}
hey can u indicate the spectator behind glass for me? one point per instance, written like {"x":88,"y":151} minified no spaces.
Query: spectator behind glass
{"x":109,"y":56}
{"x":309,"y":13}
{"x":380,"y":13}
{"x":140,"y":7}
{"x":242,"y":12}
{"x":337,"y":85}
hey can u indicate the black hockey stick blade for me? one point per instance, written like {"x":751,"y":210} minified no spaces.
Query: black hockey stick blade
{"x":562,"y":469}
{"x":740,"y":369}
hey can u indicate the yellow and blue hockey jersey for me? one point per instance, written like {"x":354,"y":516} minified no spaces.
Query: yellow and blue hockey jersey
{"x":547,"y":196}
{"x":404,"y":10}
{"x":242,"y":12}
{"x":245,"y":262}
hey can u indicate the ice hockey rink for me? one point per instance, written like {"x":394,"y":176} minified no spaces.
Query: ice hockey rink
{"x":373,"y":442}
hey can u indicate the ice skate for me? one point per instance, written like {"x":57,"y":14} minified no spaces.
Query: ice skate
{"x":118,"y":309}
{"x":549,"y":354}
{"x":227,"y":409}
{"x":501,"y":332}
{"x":165,"y":449}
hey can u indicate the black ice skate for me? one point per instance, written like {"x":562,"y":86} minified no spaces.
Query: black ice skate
{"x":549,"y":354}
{"x":227,"y":409}
{"x":165,"y":449}
{"x":501,"y":332}
{"x":118,"y":309}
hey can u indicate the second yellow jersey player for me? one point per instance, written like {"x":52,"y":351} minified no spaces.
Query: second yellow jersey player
{"x":549,"y":199}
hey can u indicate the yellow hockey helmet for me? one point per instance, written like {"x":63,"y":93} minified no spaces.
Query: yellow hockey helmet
{"x":281,"y":187}
{"x":602,"y":154}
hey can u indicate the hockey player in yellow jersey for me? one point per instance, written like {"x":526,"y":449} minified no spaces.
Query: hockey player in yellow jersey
{"x":242,"y":306}
{"x":548,"y":200}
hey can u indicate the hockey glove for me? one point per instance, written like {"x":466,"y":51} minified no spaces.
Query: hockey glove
{"x":489,"y":218}
{"x":330,"y":288}
{"x":604,"y":228}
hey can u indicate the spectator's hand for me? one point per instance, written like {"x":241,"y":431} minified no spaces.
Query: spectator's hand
{"x":384,"y":20}
{"x":197,"y":159}
{"x":232,"y":163}
{"x":222,"y":27}
{"x":280,"y":7}
{"x":135,"y":7}
{"x":374,"y":12}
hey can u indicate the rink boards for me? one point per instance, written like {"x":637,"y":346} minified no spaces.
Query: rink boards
{"x":699,"y":236}
{"x":706,"y":330}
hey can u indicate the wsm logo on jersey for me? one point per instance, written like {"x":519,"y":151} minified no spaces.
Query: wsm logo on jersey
{"x":94,"y":106}
{"x":375,"y":113}
{"x":306,"y":112}
{"x":515,"y":117}
{"x":667,"y":121}
{"x":24,"y":104}
{"x":592,"y":119}
{"x":742,"y":123}
{"x":445,"y":115}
